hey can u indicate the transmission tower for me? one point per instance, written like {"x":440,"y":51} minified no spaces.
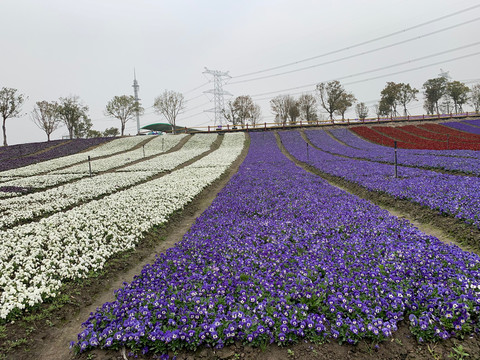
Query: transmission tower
{"x":219,"y":78}
{"x":135,"y":92}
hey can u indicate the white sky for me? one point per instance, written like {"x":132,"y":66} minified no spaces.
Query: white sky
{"x":56,"y":48}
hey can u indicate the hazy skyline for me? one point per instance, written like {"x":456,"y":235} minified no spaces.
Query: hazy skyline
{"x":57,"y":48}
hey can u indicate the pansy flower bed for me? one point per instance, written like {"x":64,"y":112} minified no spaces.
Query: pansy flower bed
{"x":280,"y":256}
{"x":454,"y":195}
{"x":430,"y":159}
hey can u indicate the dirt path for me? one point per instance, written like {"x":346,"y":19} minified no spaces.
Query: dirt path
{"x":56,"y":345}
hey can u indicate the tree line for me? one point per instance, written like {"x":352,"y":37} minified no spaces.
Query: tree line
{"x":440,"y":96}
{"x":73,"y":113}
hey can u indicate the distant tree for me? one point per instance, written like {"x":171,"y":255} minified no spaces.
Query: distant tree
{"x":82,"y":128}
{"x":307,"y":105}
{"x":390,"y":97}
{"x":230,"y":113}
{"x":331,"y":95}
{"x":458,"y":92}
{"x":429,"y":107}
{"x":123,"y":108}
{"x":346,"y":101}
{"x":170,"y":104}
{"x":293,"y":110}
{"x":45,"y":116}
{"x":406,"y":94}
{"x":74,"y":115}
{"x":113,"y":131}
{"x":93,"y":134}
{"x":446,"y":104}
{"x":434,"y":89}
{"x":10,"y":107}
{"x":256,"y":114}
{"x":245,"y":108}
{"x":280,"y":106}
{"x":475,"y":97}
{"x":362,"y":110}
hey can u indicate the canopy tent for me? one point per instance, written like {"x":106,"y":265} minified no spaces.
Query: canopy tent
{"x":165,"y":127}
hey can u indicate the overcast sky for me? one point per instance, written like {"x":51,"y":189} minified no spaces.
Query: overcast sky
{"x":89,"y":48}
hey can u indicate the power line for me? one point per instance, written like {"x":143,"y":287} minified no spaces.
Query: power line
{"x":384,"y":68}
{"x":359,"y":44}
{"x":357,"y":54}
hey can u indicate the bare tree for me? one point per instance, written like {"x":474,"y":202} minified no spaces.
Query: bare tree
{"x":231,"y":113}
{"x":74,"y":115}
{"x":330,"y":96}
{"x":475,"y":97}
{"x":256,"y":114}
{"x":307,"y":104}
{"x":10,"y":106}
{"x":362,"y":110}
{"x":170,"y":104}
{"x":45,"y":115}
{"x":280,"y":106}
{"x":123,"y":108}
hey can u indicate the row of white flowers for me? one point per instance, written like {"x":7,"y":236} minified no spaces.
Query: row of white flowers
{"x":157,"y":145}
{"x":35,"y":258}
{"x":56,"y":199}
{"x":165,"y":142}
{"x":109,"y":148}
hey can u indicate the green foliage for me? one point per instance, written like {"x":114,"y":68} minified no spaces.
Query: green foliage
{"x":74,"y":115}
{"x":434,"y":89}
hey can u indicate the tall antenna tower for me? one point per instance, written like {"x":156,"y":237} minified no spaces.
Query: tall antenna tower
{"x":219,"y":78}
{"x":135,"y":92}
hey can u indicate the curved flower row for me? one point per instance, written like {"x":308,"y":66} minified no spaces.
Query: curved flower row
{"x":385,"y":154}
{"x":109,"y":148}
{"x":456,"y":195}
{"x":36,"y":258}
{"x":281,"y":255}
{"x":157,"y":145}
{"x":58,"y":198}
{"x":351,"y":139}
{"x":48,"y":152}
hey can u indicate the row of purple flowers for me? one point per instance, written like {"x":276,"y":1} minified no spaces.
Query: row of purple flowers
{"x":453,"y":160}
{"x":455,"y":195}
{"x":280,"y":256}
{"x":51,"y":152}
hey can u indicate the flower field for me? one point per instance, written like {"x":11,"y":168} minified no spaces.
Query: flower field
{"x":37,"y":257}
{"x":361,"y":149}
{"x":455,"y":195}
{"x":280,"y":256}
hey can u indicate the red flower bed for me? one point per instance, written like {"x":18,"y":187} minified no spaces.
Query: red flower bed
{"x":444,"y":130}
{"x":386,"y":135}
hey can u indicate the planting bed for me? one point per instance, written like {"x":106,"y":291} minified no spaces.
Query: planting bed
{"x":281,"y":260}
{"x":282,"y":256}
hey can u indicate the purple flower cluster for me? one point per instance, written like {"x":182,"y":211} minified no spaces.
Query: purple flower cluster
{"x":280,"y":256}
{"x":65,"y":148}
{"x":450,"y":194}
{"x":463,"y":126}
{"x":454,"y":160}
{"x":14,"y":151}
{"x":475,"y":122}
